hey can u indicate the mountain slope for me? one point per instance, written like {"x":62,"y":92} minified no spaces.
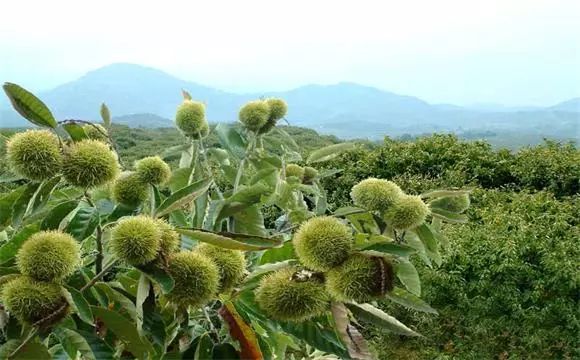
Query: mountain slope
{"x":343,"y":109}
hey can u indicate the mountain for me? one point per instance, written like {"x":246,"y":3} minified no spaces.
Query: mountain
{"x":569,"y":105}
{"x":344,"y":109}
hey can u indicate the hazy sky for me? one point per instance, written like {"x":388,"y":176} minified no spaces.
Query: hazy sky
{"x":515,"y":52}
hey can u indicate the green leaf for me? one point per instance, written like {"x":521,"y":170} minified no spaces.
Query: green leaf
{"x":34,"y":350}
{"x":82,"y":306}
{"x":9,"y":249}
{"x":142,"y":293}
{"x":426,"y":235}
{"x":179,"y":178}
{"x":233,"y":241}
{"x":329,"y":152}
{"x":225,"y":351}
{"x":100,"y":349}
{"x":285,"y":252}
{"x":355,"y":343}
{"x":449,"y":216}
{"x":412,"y":240}
{"x":443,"y":193}
{"x":43,"y":193}
{"x":54,"y":217}
{"x":204,"y":348}
{"x":183,"y":196}
{"x":318,"y":333}
{"x":116,"y":298}
{"x":261,"y":270}
{"x":106,"y":115}
{"x":21,"y":205}
{"x":29,"y":106}
{"x":119,"y":211}
{"x":174,"y":150}
{"x":230,"y":139}
{"x":408,"y":275}
{"x":388,"y":247}
{"x":83,"y":223}
{"x":7,"y":202}
{"x":126,"y":331}
{"x":405,"y":298}
{"x":75,"y":131}
{"x":347,"y":210}
{"x":164,"y":280}
{"x":74,"y":343}
{"x":378,"y":317}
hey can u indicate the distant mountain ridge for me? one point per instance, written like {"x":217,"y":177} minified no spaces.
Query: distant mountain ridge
{"x":344,"y":109}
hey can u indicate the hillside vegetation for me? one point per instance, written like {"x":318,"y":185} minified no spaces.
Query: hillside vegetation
{"x":508,"y":285}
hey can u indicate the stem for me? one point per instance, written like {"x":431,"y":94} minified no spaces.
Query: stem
{"x":205,"y":162}
{"x":211,"y":325}
{"x":152,"y":200}
{"x":98,"y":276}
{"x":98,"y":238}
{"x":231,"y":221}
{"x":100,"y":257}
{"x":29,"y":337}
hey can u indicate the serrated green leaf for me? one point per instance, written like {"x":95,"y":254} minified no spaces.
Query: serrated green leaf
{"x":7,"y":202}
{"x":329,"y":152}
{"x":9,"y":249}
{"x":381,"y":319}
{"x":347,"y":210}
{"x":233,"y":241}
{"x":142,"y":292}
{"x":29,"y":106}
{"x":83,"y":223}
{"x":426,"y":236}
{"x":22,"y":203}
{"x":230,"y":139}
{"x":408,"y":275}
{"x":353,"y":340}
{"x":164,"y":280}
{"x":449,"y":216}
{"x":100,"y":349}
{"x":82,"y":305}
{"x":126,"y":331}
{"x":53,"y":219}
{"x":183,"y":196}
{"x":204,"y":348}
{"x":388,"y":248}
{"x":116,"y":298}
{"x":34,"y":350}
{"x":75,"y":131}
{"x":73,"y":343}
{"x":43,"y":194}
{"x":225,"y":352}
{"x":405,"y":298}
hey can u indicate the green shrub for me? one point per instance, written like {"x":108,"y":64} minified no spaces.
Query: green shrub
{"x":509,"y":283}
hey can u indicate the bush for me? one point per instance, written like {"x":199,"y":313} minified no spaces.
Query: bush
{"x":508,"y":285}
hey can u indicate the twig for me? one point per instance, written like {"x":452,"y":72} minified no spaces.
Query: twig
{"x":98,"y":276}
{"x":30,"y":336}
{"x":98,"y":238}
{"x":211,"y":325}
